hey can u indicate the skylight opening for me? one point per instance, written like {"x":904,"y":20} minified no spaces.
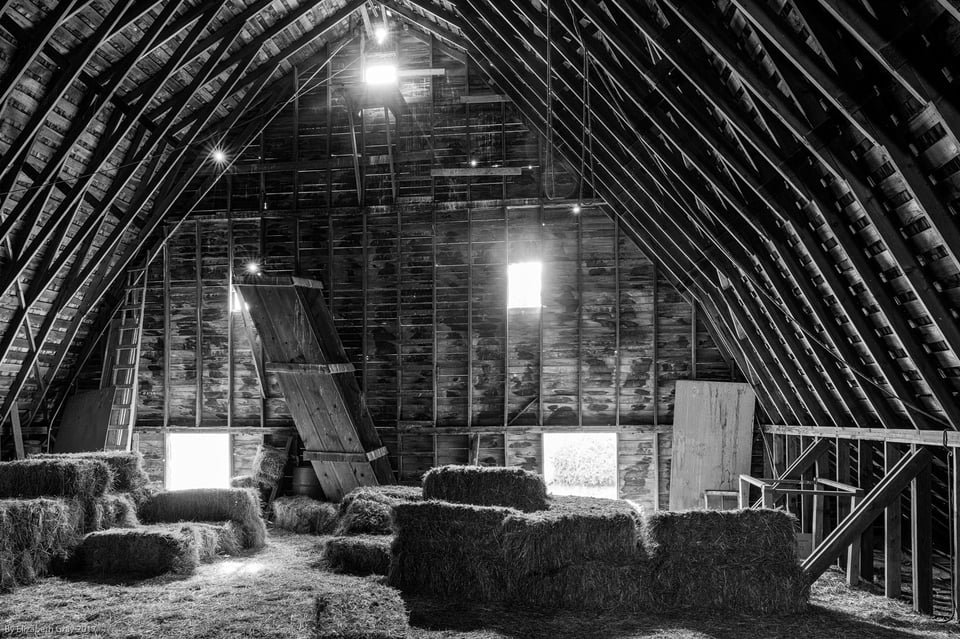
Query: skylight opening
{"x":523,"y":285}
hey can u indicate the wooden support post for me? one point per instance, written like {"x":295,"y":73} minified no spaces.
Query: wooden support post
{"x":744,"y":493}
{"x":954,"y":514}
{"x":817,"y":525}
{"x":853,"y":551}
{"x":767,"y":496}
{"x":921,"y":543}
{"x":843,"y":476}
{"x":865,"y":482}
{"x":17,"y":432}
{"x":892,"y":551}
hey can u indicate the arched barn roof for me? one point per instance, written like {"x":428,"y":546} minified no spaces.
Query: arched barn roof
{"x":792,"y":166}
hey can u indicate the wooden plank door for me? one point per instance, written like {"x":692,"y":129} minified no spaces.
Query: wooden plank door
{"x":301,"y":346}
{"x":712,"y":439}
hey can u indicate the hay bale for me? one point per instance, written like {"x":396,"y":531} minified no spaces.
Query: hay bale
{"x":366,"y":517}
{"x":590,"y":586}
{"x":486,"y":486}
{"x":127,"y":467}
{"x":119,"y":511}
{"x":34,"y":533}
{"x":351,"y":608}
{"x":743,"y":560}
{"x":390,"y":494}
{"x":573,"y":530}
{"x":238,"y":505}
{"x":268,"y":465}
{"x":71,"y":478}
{"x":302,"y":514}
{"x":451,"y":550}
{"x":244,"y":481}
{"x":358,"y":555}
{"x":141,"y":552}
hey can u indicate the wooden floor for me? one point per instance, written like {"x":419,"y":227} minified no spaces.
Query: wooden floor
{"x":269,"y":594}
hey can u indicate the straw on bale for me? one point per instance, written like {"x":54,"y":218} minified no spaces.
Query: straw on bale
{"x":238,"y":505}
{"x":486,"y":486}
{"x":71,"y":478}
{"x":358,"y":555}
{"x":365,"y":517}
{"x":593,"y":585}
{"x":127,"y":467}
{"x":143,"y":552}
{"x":358,"y":609}
{"x":33,"y":533}
{"x":302,"y":514}
{"x":389,"y":494}
{"x":268,"y":465}
{"x":742,"y":560}
{"x":113,"y":510}
{"x":573,"y":530}
{"x":449,"y":550}
{"x":243,"y":481}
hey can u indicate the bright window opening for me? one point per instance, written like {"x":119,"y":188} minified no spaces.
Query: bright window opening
{"x":198,"y":460}
{"x":236,"y":302}
{"x":583,"y":464}
{"x":381,"y":74}
{"x":523,"y":285}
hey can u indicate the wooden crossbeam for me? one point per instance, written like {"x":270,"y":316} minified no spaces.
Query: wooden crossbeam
{"x":849,"y":530}
{"x":948,"y":438}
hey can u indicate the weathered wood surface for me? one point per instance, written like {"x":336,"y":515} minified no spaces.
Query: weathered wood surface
{"x":712,"y":439}
{"x":295,"y":328}
{"x":85,"y":419}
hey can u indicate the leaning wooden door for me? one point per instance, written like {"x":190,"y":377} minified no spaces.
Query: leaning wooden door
{"x":712,"y":439}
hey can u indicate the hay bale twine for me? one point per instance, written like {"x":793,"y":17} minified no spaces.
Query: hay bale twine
{"x":304,"y":515}
{"x":70,"y":478}
{"x":238,"y":505}
{"x":486,"y":486}
{"x":573,"y":530}
{"x":742,"y":560}
{"x":358,"y":555}
{"x":140,"y":552}
{"x":450,"y":550}
{"x":354,"y":608}
{"x":127,"y":467}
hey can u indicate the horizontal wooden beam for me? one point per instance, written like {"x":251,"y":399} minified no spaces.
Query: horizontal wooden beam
{"x":492,"y":98}
{"x":478,"y":172}
{"x":338,"y":456}
{"x":300,"y":367}
{"x":947,"y":438}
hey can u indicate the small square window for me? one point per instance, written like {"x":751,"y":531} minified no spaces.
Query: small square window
{"x":523,"y":285}
{"x":583,"y":464}
{"x":198,"y":460}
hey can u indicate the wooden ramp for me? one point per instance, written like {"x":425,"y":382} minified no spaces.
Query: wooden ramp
{"x":300,"y":344}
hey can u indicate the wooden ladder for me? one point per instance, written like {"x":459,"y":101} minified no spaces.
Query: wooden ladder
{"x":121,"y":365}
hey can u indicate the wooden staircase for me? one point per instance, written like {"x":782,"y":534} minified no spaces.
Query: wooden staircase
{"x":122,"y":365}
{"x":300,"y":344}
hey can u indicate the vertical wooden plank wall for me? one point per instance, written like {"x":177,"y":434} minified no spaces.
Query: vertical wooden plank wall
{"x":417,"y":283}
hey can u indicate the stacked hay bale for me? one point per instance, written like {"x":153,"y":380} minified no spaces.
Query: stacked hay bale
{"x":589,"y":553}
{"x":304,"y":515}
{"x":447,"y":549}
{"x":46,"y":505}
{"x":486,"y":486}
{"x":579,"y":552}
{"x":456,"y":547}
{"x":364,"y":530}
{"x":742,"y":560}
{"x":235,"y":511}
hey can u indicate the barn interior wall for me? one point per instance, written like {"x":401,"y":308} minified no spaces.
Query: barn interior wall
{"x":412,"y":248}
